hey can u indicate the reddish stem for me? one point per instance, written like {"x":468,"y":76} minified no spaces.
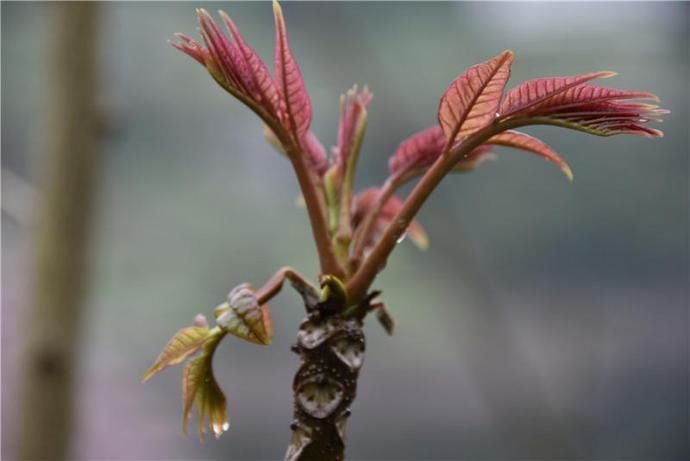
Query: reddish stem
{"x":359,"y":284}
{"x":366,"y":228}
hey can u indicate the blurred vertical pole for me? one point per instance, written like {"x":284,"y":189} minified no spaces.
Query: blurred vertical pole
{"x":69,"y":157}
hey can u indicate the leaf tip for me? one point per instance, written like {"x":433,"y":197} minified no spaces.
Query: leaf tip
{"x":150,"y":372}
{"x":419,"y":237}
{"x":277,"y":10}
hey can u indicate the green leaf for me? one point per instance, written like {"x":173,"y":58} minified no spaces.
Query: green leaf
{"x":242,"y":316}
{"x":184,"y":343}
{"x":200,"y":388}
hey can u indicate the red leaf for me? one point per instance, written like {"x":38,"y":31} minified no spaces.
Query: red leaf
{"x":528,"y":143}
{"x":585,"y":95}
{"x":290,"y":82}
{"x":234,"y":65}
{"x":471,"y":102}
{"x":263,"y":87}
{"x":191,"y":48}
{"x":598,"y":110}
{"x":316,"y":154}
{"x":226,"y":64}
{"x":353,"y":107}
{"x":533,"y":92}
{"x":417,"y":152}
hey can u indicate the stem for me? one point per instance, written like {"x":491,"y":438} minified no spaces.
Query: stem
{"x":65,"y":210}
{"x":332,"y":351}
{"x":275,"y":284}
{"x":358,"y":285}
{"x":315,"y":207}
{"x":317,"y":217}
{"x":367,"y":226}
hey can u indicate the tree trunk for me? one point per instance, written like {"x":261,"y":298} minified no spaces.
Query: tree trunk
{"x":66,"y":196}
{"x":331,"y":348}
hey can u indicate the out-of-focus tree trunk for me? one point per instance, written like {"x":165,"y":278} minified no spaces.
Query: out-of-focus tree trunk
{"x":69,"y":159}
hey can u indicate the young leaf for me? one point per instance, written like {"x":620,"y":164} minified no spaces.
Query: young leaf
{"x":589,"y":96}
{"x":597,"y":110}
{"x":191,"y":48}
{"x":420,"y":151}
{"x":226,"y":64}
{"x":532,"y":92}
{"x":471,"y":102}
{"x":527,"y":143}
{"x":417,"y":152}
{"x":290,"y":82}
{"x":234,"y":65}
{"x":353,"y":115}
{"x":242,"y":316}
{"x":184,"y":343}
{"x":316,"y":154}
{"x":264,"y":88}
{"x":200,"y":388}
{"x":314,"y":150}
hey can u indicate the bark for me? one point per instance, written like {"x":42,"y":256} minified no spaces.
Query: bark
{"x":331,"y":347}
{"x":69,"y":148}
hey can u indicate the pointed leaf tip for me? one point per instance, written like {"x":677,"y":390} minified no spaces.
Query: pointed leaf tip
{"x":525,"y":142}
{"x":567,"y":172}
{"x":200,"y":388}
{"x":472,"y":100}
{"x":184,"y":343}
{"x":297,"y":106}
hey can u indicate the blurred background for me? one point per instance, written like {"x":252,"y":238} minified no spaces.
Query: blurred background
{"x":546,"y":320}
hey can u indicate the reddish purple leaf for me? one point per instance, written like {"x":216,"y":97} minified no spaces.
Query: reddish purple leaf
{"x":532,"y":92}
{"x":290,"y":82}
{"x":471,"y":102}
{"x":234,"y":65}
{"x":600,"y":111}
{"x":264,"y":88}
{"x":226,"y":57}
{"x":353,"y":108}
{"x":191,"y":48}
{"x":418,"y":151}
{"x":606,"y":118}
{"x":585,"y":95}
{"x":316,"y":154}
{"x":527,"y":143}
{"x":570,"y":102}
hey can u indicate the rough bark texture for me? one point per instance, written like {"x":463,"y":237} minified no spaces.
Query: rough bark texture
{"x":69,"y":150}
{"x":332,"y":351}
